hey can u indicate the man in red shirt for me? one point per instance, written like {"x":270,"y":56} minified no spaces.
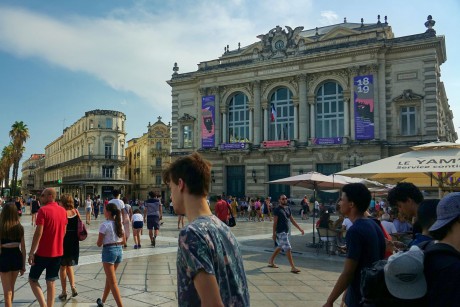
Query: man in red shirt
{"x":47,"y":246}
{"x":221,"y":209}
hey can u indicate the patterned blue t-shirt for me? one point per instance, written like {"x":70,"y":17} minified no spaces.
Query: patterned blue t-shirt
{"x":207,"y":244}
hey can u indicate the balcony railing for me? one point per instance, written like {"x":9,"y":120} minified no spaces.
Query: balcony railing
{"x":161,"y":152}
{"x":108,"y":158}
{"x":97,"y":176}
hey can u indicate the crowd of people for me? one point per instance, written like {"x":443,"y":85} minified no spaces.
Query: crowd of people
{"x":210,"y":266}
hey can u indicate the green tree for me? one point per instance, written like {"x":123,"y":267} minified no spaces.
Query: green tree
{"x":19,"y":134}
{"x":5,"y":164}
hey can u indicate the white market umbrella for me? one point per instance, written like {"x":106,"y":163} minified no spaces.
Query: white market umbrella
{"x":314,"y":181}
{"x":431,"y":164}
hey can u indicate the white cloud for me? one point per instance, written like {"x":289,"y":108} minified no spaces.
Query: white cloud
{"x":134,"y":49}
{"x":329,"y":18}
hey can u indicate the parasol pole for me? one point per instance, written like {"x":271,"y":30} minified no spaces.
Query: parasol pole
{"x":313,"y":244}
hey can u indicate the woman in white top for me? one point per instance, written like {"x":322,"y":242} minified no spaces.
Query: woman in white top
{"x":88,"y":208}
{"x":111,"y":237}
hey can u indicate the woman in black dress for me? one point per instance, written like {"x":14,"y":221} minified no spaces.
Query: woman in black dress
{"x":12,"y":251}
{"x":71,"y":247}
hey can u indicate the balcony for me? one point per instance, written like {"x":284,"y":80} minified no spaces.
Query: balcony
{"x":32,"y":166}
{"x":156,"y":168}
{"x":97,"y":176}
{"x":109,"y":159}
{"x":29,"y":186}
{"x":159,"y":152}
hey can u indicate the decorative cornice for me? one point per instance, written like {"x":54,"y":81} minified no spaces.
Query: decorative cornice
{"x":408,"y":95}
{"x":186,"y":118}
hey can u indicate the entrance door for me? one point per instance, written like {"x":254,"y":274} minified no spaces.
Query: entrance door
{"x":277,"y":172}
{"x":235,"y":181}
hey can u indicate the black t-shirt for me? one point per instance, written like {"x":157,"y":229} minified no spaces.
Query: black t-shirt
{"x":283,"y":214}
{"x":35,"y":206}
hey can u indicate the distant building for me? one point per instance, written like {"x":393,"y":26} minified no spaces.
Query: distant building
{"x":88,"y":158}
{"x":322,"y":99}
{"x":147,"y":156}
{"x":33,"y":173}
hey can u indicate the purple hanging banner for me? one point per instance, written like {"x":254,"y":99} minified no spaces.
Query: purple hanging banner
{"x":364,"y":107}
{"x":207,"y":121}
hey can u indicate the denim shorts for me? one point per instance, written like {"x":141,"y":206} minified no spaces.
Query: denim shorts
{"x":88,"y":210}
{"x":112,"y":254}
{"x":50,"y":264}
{"x":138,"y":225}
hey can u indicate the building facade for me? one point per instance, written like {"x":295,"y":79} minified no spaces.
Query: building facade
{"x":323,"y":99}
{"x":33,"y":172}
{"x":147,"y":157}
{"x":88,"y":158}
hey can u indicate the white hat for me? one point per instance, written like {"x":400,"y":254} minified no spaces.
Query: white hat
{"x":404,"y":274}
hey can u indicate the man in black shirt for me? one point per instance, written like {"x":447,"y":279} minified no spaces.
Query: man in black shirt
{"x":282,"y":215}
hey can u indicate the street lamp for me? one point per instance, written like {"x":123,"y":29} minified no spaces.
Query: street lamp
{"x":355,"y":159}
{"x":254,"y":175}
{"x":213,"y":179}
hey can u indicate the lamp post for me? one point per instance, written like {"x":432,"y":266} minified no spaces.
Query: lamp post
{"x":355,"y":159}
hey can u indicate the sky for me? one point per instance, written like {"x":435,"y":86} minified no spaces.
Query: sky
{"x":59,"y":59}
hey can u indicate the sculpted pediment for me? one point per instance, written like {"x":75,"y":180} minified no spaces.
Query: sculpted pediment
{"x":408,"y":95}
{"x":339,"y":32}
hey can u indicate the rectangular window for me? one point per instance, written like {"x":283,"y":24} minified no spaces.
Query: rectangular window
{"x":187,"y":136}
{"x":108,"y":123}
{"x":158,"y":162}
{"x":158,"y":145}
{"x":408,"y":126}
{"x":107,"y":171}
{"x":158,"y":180}
{"x":108,"y":151}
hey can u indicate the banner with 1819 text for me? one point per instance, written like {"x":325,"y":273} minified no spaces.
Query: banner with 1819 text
{"x":364,"y":107}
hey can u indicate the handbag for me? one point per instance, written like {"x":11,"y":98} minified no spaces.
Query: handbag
{"x":81,"y":229}
{"x":231,"y":220}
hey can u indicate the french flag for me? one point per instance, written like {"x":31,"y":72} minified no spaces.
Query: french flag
{"x":273,"y":113}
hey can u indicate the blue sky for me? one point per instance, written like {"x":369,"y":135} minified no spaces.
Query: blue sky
{"x":59,"y":59}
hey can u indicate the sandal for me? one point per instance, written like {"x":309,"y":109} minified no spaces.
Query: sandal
{"x":63,"y":296}
{"x":273,"y":266}
{"x":295,"y":271}
{"x":74,"y":291}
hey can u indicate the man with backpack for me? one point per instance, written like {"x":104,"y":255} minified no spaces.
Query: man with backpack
{"x":365,"y":244}
{"x":442,"y":259}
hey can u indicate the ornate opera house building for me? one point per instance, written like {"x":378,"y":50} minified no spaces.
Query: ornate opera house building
{"x":322,"y":99}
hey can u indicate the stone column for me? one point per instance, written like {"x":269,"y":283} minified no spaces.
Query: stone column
{"x":311,"y":102}
{"x":381,"y":99}
{"x":346,"y":115}
{"x":303,"y":116}
{"x":265,"y":119}
{"x":296,"y":118}
{"x":374,"y":68}
{"x":352,"y":71}
{"x":224,"y":126}
{"x":257,"y":114}
{"x":215,"y":91}
{"x":251,"y":125}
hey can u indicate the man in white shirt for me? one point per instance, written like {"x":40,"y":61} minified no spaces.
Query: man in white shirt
{"x":119,"y":203}
{"x":389,"y":226}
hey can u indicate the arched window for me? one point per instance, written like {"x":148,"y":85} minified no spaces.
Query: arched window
{"x":281,"y":115}
{"x":329,"y":111}
{"x":238,"y":118}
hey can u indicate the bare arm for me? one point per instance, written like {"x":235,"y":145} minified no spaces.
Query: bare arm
{"x":343,"y":282}
{"x":208,"y":289}
{"x":296,"y":225}
{"x":23,"y":251}
{"x":33,"y":248}
{"x":275,"y":222}
{"x":100,"y":239}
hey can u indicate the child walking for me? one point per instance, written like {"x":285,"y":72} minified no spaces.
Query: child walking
{"x":111,"y":238}
{"x":138,"y":224}
{"x":12,"y":251}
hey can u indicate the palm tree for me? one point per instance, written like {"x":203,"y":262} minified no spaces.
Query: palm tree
{"x":19,"y":134}
{"x":5,"y":163}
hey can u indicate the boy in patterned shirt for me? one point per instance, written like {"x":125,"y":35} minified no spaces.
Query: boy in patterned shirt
{"x":210,"y":268}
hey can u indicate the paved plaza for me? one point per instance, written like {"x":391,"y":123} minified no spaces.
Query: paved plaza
{"x":147,"y":277}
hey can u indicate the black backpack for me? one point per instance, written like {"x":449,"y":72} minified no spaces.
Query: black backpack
{"x":374,"y":291}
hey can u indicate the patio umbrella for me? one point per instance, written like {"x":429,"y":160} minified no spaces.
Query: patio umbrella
{"x":314,"y":181}
{"x":434,"y":164}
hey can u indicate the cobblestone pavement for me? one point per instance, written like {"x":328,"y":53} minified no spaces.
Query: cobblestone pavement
{"x":147,"y":276}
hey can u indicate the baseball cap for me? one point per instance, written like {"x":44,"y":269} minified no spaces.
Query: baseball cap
{"x":448,"y":209}
{"x":404,"y":275}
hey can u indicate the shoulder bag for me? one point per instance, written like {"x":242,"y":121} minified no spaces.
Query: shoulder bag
{"x":81,"y":229}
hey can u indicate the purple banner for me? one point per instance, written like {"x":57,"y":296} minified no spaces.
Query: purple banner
{"x":327,"y":141}
{"x":227,"y":146}
{"x":207,"y":121}
{"x":364,"y":107}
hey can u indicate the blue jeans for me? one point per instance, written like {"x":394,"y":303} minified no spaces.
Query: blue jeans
{"x":112,"y":254}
